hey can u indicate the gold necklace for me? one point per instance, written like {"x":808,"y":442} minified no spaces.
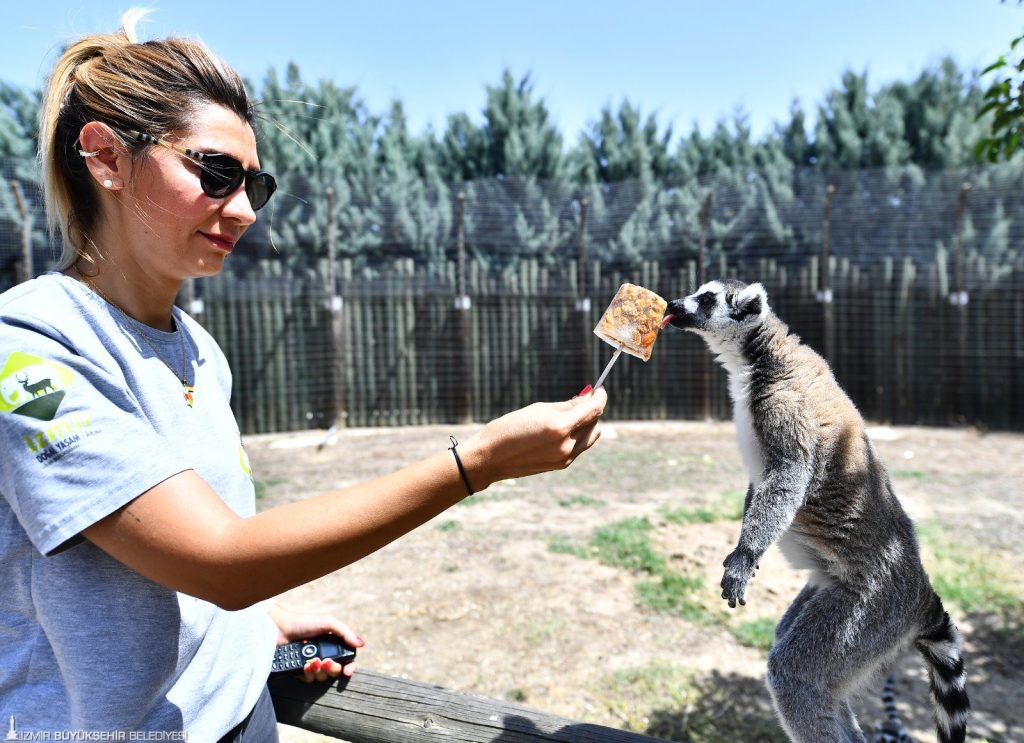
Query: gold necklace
{"x":187,"y":389}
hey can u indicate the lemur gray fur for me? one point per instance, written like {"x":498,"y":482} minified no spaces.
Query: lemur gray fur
{"x":818,"y":488}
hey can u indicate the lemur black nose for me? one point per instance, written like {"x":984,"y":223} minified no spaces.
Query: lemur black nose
{"x":675,"y":310}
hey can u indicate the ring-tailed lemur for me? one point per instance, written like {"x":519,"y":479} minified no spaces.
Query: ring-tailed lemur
{"x":819,"y":489}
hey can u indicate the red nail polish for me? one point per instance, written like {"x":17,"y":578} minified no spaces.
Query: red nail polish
{"x":585,"y":390}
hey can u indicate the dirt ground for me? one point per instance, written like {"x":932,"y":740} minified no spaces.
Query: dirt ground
{"x":477,"y":600}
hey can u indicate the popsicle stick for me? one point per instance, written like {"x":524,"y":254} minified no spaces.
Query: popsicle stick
{"x":608,"y":368}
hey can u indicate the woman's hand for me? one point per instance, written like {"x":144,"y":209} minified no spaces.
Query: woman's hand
{"x":294,"y":626}
{"x":538,"y":438}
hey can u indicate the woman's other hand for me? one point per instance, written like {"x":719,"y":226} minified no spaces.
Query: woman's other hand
{"x":293,"y":626}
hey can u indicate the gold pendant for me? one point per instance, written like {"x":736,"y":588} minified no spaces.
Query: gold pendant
{"x":189,"y":391}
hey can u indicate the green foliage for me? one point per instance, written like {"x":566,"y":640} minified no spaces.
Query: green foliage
{"x":325,"y":133}
{"x":621,"y":146}
{"x":634,"y":693}
{"x":972,"y":579}
{"x":563,"y":546}
{"x":675,"y":703}
{"x":672,"y":593}
{"x":759,"y":633}
{"x":516,"y":139}
{"x":581,"y":500}
{"x":927,"y":122}
{"x":262,"y":487}
{"x":395,"y":192}
{"x":627,"y":544}
{"x":728,"y":508}
{"x":1004,"y":104}
{"x":387,"y":199}
{"x":19,"y":121}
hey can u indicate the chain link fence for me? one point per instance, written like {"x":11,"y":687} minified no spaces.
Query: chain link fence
{"x":403,"y":303}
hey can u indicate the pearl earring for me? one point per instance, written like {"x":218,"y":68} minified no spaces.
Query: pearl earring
{"x":108,"y":183}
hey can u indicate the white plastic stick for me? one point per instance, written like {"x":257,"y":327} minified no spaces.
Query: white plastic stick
{"x":608,"y":368}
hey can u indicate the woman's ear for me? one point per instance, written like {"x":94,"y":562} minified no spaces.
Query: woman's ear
{"x":105,"y":155}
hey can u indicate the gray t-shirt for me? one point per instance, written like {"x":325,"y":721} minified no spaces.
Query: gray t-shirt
{"x":93,"y":414}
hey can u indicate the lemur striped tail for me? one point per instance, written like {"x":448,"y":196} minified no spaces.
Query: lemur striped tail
{"x":939,"y":643}
{"x":892,"y":730}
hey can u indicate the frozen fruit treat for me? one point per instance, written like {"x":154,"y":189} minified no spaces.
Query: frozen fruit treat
{"x":632,"y":320}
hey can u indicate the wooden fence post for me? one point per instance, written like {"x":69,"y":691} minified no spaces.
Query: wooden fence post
{"x":825,"y":278}
{"x":196,"y":308}
{"x":959,"y":299}
{"x":335,"y":305}
{"x":27,"y":269}
{"x":464,"y":374}
{"x":1016,"y":421}
{"x":704,"y":362}
{"x":583,"y":297}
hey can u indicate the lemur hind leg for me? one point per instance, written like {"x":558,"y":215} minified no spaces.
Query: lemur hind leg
{"x":793,"y":611}
{"x":830,"y":642}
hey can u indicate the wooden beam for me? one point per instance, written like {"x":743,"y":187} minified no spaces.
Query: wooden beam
{"x":376,"y":708}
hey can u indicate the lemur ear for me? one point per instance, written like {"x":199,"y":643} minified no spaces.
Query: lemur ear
{"x":751,"y":302}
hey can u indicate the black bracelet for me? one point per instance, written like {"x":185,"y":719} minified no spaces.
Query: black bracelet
{"x":462,"y":470}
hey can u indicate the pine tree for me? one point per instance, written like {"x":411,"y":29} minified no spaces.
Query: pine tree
{"x":322,"y":136}
{"x":797,"y":146}
{"x":415,"y":203}
{"x":621,"y":145}
{"x":19,"y":121}
{"x":938,"y":112}
{"x":517,"y":138}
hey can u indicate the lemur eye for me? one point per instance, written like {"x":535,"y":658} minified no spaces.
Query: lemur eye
{"x":707,"y":298}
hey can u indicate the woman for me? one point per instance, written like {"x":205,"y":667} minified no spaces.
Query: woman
{"x":135,"y":571}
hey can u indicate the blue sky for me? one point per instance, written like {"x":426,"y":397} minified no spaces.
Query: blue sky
{"x":688,"y":62}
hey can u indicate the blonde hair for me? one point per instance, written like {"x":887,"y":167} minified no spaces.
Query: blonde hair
{"x":153,"y":87}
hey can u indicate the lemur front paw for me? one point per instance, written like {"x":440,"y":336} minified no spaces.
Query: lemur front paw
{"x":739,"y":569}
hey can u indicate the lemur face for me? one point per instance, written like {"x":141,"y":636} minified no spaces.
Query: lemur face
{"x":720,"y":309}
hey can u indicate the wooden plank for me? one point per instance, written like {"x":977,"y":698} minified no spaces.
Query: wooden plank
{"x":375,"y":708}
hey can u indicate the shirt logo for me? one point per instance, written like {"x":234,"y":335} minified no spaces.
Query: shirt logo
{"x":33,"y":386}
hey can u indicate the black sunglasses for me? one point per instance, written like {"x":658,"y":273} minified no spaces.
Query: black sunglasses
{"x":220,"y":175}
